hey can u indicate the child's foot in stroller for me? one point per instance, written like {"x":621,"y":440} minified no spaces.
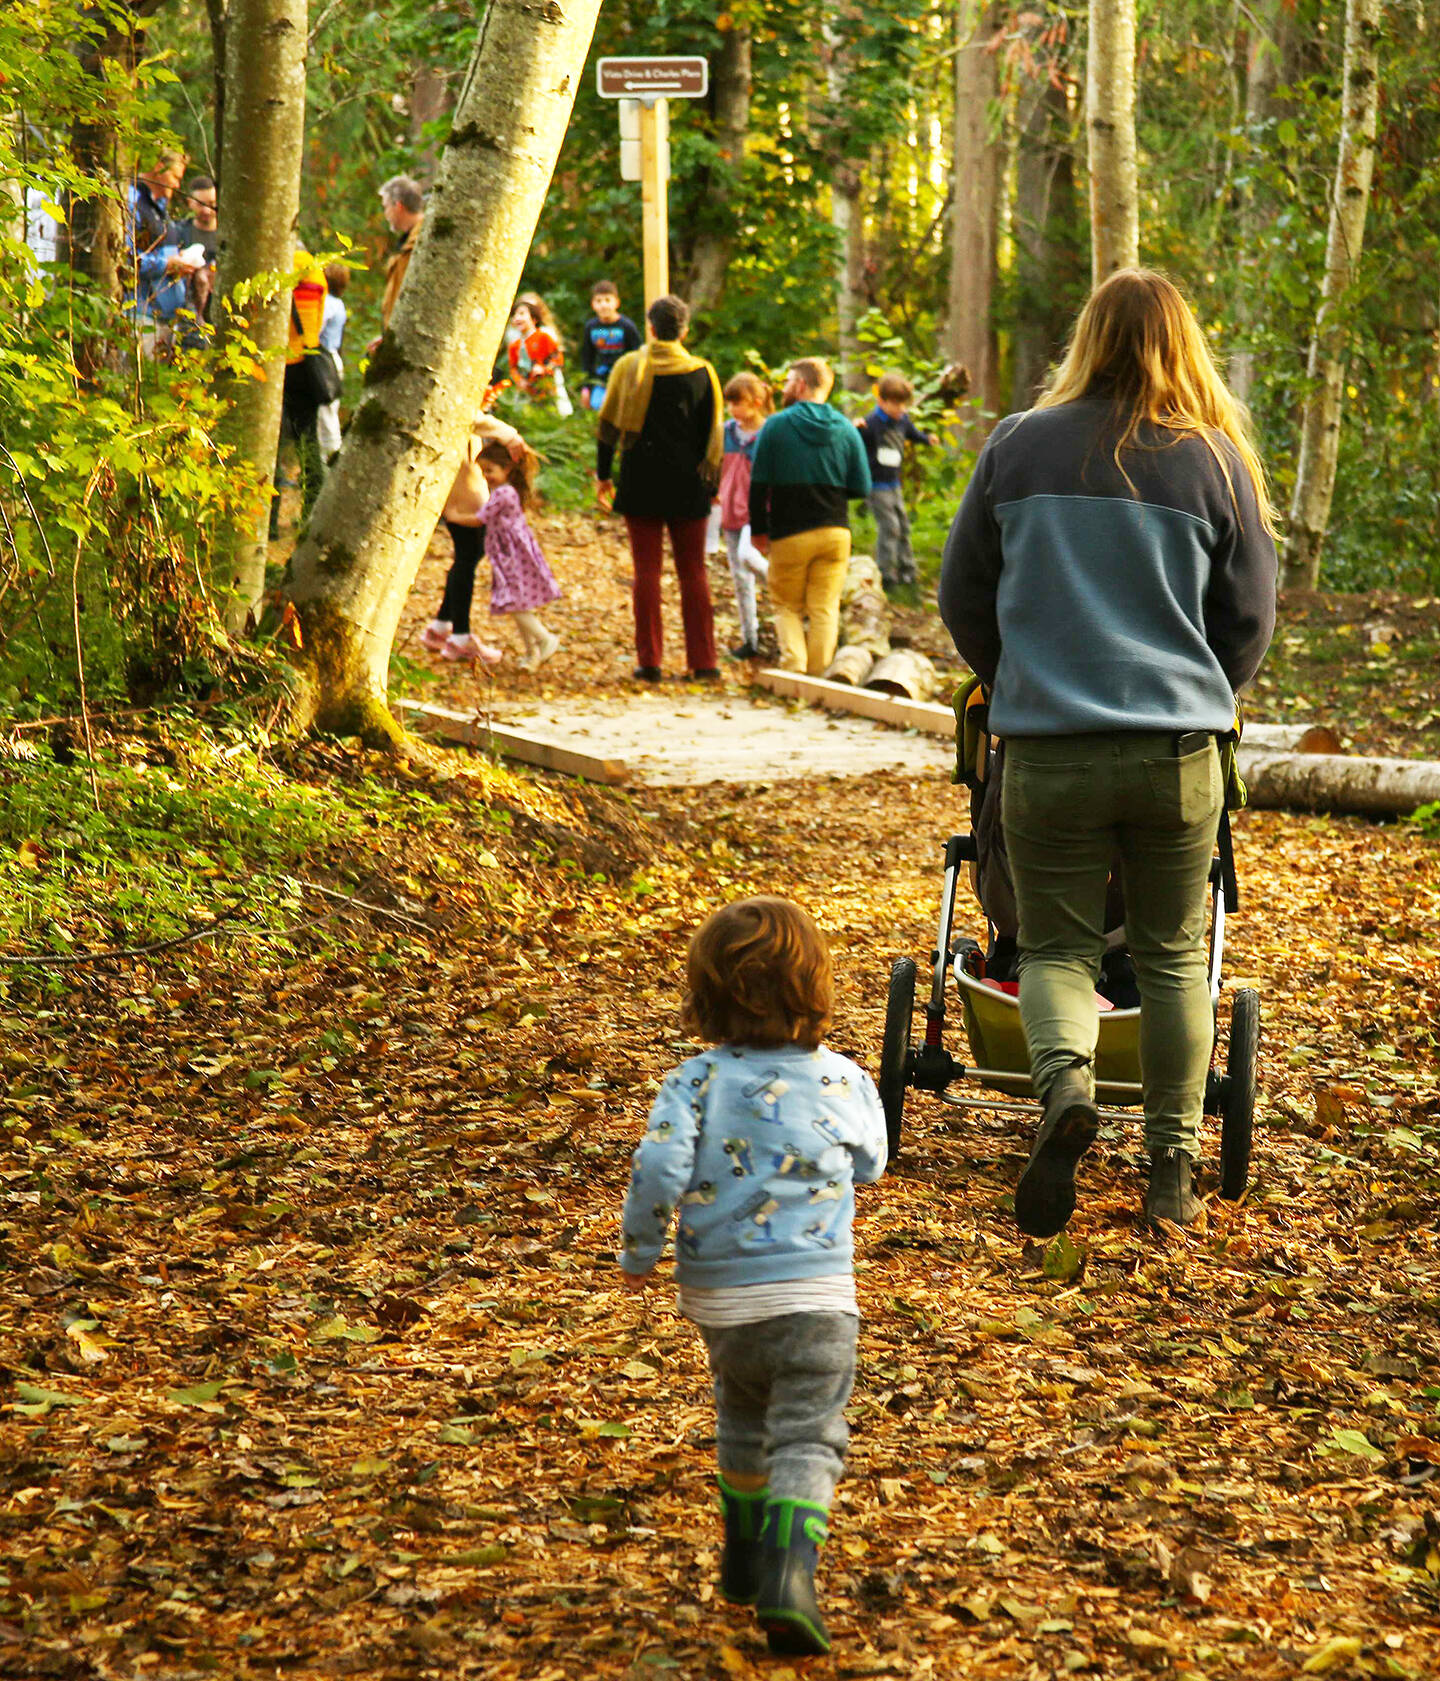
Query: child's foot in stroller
{"x":1045,"y":1196}
{"x":786,"y":1607}
{"x":744,"y":1512}
{"x":1170,"y":1195}
{"x":435,"y":633}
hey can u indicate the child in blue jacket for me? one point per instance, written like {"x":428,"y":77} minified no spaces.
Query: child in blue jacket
{"x":758,"y":1143}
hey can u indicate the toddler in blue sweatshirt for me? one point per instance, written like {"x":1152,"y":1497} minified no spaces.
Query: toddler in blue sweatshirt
{"x":758,"y":1144}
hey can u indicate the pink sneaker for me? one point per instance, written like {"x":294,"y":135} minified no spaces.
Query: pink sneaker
{"x":469,"y":647}
{"x":434,"y":634}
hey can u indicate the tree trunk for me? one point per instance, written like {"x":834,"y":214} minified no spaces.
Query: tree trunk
{"x":1320,"y":419}
{"x":265,"y":120}
{"x":845,"y":218}
{"x":1048,"y":258}
{"x":352,"y":571}
{"x":971,"y":336}
{"x":1110,"y":115}
{"x":1270,"y":48}
{"x":216,"y":12}
{"x":731,"y":82}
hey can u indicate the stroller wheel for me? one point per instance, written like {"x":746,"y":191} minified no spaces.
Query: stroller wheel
{"x":895,"y":1049}
{"x":1237,"y":1124}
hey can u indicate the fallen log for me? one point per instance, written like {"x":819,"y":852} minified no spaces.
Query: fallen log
{"x":1337,"y":782}
{"x":1293,"y":738}
{"x":530,"y":747}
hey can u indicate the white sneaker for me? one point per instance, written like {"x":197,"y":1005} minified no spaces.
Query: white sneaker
{"x":435,"y":633}
{"x":547,"y":647}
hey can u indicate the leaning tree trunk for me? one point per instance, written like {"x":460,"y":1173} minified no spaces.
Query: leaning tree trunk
{"x":352,"y":571}
{"x":974,"y":216}
{"x":1320,"y":420}
{"x":1110,"y":116}
{"x":731,"y":83}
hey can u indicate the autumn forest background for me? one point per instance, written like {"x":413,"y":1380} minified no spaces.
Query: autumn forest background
{"x":325,"y":1048}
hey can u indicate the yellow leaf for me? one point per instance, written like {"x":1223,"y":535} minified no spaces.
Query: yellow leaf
{"x":1332,"y":1654}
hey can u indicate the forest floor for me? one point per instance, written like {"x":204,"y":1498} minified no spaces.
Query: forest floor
{"x":314,"y":1359}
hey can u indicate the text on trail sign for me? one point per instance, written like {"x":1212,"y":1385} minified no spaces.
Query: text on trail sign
{"x":652,"y":78}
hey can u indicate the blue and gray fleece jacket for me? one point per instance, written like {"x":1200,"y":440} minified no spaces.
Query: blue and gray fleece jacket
{"x":759,"y":1150}
{"x":1087,"y":604}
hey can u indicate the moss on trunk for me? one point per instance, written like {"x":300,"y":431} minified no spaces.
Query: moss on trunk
{"x":335,"y":692}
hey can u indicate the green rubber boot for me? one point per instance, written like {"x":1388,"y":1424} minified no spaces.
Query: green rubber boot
{"x":786,"y":1606}
{"x":740,"y":1559}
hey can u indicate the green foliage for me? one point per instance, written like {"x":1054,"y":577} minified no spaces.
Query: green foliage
{"x":110,"y":479}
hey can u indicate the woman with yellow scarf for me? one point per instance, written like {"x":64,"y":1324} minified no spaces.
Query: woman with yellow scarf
{"x":664,"y":416}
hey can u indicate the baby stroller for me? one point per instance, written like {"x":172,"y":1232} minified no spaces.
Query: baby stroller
{"x":985,"y":987}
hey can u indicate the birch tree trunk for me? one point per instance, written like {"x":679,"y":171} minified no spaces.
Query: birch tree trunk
{"x":265,"y":134}
{"x":1110,"y":118}
{"x":731,"y":81}
{"x":1349,"y":201}
{"x":353,"y":569}
{"x":974,"y":216}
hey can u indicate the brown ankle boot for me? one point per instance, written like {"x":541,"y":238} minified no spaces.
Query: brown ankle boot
{"x":1170,"y":1196}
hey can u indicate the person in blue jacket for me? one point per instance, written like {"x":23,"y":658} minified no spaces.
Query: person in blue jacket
{"x":159,"y":274}
{"x":757,"y":1144}
{"x":885,"y":432}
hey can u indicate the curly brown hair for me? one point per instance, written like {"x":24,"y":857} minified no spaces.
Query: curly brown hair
{"x":759,"y":974}
{"x":523,"y":473}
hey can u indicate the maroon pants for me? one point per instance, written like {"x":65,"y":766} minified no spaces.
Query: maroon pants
{"x":647,"y":547}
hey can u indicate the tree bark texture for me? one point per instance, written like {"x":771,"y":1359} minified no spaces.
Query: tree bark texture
{"x":974,"y":215}
{"x":1267,"y":64}
{"x":265,"y":123}
{"x":845,"y":218}
{"x":1349,"y":201}
{"x":730,"y":81}
{"x":217,"y":12}
{"x":1049,"y":242}
{"x":1110,"y":118}
{"x":353,"y":570}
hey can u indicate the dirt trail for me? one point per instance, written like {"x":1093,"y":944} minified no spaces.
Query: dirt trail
{"x":311,"y":1254}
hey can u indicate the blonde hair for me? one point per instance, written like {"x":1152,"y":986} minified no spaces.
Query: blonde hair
{"x":1137,"y":339}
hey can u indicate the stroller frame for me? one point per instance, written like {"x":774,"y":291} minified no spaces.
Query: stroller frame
{"x":930,"y":1067}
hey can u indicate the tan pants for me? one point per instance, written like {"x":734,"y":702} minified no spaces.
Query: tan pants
{"x":807,"y":574}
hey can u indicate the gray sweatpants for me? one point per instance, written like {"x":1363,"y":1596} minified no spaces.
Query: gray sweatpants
{"x":780,"y":1391}
{"x":893,"y":554}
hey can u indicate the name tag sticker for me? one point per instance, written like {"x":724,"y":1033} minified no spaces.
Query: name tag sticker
{"x":888,"y":456}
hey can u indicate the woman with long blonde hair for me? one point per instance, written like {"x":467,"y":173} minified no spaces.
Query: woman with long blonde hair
{"x":1110,"y":576}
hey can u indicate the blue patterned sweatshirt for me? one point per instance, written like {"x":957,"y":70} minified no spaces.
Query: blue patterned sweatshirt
{"x":760,"y":1150}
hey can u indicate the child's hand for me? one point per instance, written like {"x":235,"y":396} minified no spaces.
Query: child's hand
{"x":635,"y":1282}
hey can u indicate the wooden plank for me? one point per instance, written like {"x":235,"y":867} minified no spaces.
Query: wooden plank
{"x":921,"y":715}
{"x":654,"y":197}
{"x":549,"y":752}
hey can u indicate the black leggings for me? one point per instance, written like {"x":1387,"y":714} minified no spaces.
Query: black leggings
{"x":469,"y":541}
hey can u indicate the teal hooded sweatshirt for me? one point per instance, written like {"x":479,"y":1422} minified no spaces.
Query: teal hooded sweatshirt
{"x":809,"y":462}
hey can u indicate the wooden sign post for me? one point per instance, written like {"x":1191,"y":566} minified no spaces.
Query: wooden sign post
{"x":645,"y":87}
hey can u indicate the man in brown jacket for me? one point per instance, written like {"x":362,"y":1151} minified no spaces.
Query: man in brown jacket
{"x":404,"y":206}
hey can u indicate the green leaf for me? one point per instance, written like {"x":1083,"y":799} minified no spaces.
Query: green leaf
{"x":610,"y":1427}
{"x":198,"y":1394}
{"x":479,"y":1558}
{"x":1353,"y":1441}
{"x":1064,"y":1260}
{"x":35,"y":1402}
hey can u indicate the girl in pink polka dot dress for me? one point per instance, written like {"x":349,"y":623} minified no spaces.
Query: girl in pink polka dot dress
{"x":520,"y":581}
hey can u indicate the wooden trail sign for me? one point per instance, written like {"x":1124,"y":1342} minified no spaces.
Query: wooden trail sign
{"x":644,"y":87}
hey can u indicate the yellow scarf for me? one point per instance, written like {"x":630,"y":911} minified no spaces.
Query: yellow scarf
{"x":627,"y":398}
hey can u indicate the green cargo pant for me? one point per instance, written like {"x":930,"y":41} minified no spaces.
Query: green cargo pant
{"x":1069,"y":803}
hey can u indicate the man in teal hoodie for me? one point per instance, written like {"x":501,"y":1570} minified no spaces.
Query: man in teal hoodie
{"x":809,"y":465}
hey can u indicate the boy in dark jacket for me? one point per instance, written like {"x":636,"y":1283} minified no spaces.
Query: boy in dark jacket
{"x":886,"y":430}
{"x":604,"y":339}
